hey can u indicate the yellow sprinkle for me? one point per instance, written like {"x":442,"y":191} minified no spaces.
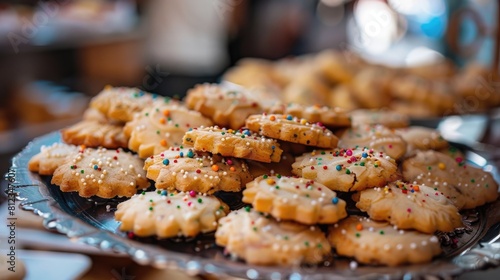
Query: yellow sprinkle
{"x":442,"y":166}
{"x":303,"y":121}
{"x":270,"y":181}
{"x":272,"y":118}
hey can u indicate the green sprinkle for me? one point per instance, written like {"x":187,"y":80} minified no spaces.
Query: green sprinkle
{"x":265,"y":176}
{"x":150,"y":208}
{"x":254,"y":228}
{"x":143,"y":193}
{"x":278,"y":175}
{"x":381,"y":232}
{"x":200,"y":200}
{"x":157,"y":132}
{"x":277,"y":187}
{"x":285,"y":237}
{"x":158,"y":192}
{"x":151,"y":200}
{"x":147,"y":114}
{"x":306,"y":243}
{"x":178,"y":207}
{"x":247,"y":208}
{"x":319,"y":245}
{"x":358,"y":234}
{"x":472,"y":180}
{"x":429,"y":167}
{"x":347,"y":171}
{"x":81,"y":171}
{"x":362,"y":163}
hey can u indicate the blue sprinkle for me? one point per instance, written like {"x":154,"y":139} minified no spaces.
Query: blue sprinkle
{"x":190,"y":154}
{"x":247,"y":132}
{"x":164,"y":193}
{"x":335,"y":200}
{"x":166,"y":161}
{"x":154,"y":95}
{"x":96,"y":167}
{"x":364,"y":155}
{"x":273,"y":147}
{"x":338,"y":167}
{"x":181,"y":154}
{"x":289,"y":117}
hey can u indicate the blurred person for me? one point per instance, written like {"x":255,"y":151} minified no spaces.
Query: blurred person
{"x":186,"y":43}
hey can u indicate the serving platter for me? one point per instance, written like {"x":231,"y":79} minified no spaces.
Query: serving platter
{"x":91,"y":221}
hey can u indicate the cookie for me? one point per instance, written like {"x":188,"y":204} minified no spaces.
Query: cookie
{"x":297,"y":199}
{"x":389,"y":119}
{"x":422,"y":138}
{"x":51,"y":157}
{"x":94,"y":134}
{"x":260,"y":240}
{"x":467,"y":186}
{"x":372,"y":242}
{"x":161,"y":126}
{"x":233,"y":143}
{"x":188,"y":170}
{"x":165,"y":215}
{"x":370,"y":87}
{"x":101,"y":172}
{"x":292,"y":129}
{"x":121,"y":103}
{"x":330,"y":117}
{"x":226,"y":108}
{"x":347,"y":169}
{"x":377,"y":137}
{"x":410,"y":206}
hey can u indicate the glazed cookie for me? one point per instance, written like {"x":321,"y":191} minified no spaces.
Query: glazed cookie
{"x":101,"y":172}
{"x":170,"y":214}
{"x":467,"y":186}
{"x":347,"y":169}
{"x":297,"y":199}
{"x":330,"y":117}
{"x":259,"y":239}
{"x":51,"y":157}
{"x":372,"y":242}
{"x":188,"y":170}
{"x":389,"y":119}
{"x":422,"y":138}
{"x":94,"y":134}
{"x":377,"y":137}
{"x":121,"y":103}
{"x":235,"y":143}
{"x":292,"y":129}
{"x":159,"y":127}
{"x":410,"y":206}
{"x":226,"y":107}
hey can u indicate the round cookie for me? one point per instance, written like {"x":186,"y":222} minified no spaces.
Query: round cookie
{"x":330,"y":117}
{"x":188,"y":170}
{"x":226,"y":107}
{"x":162,"y":126}
{"x":101,"y":172}
{"x":292,"y":129}
{"x":298,"y":199}
{"x":95,"y":134}
{"x":422,"y":138}
{"x":410,"y":206}
{"x":260,"y":240}
{"x":467,"y":186}
{"x":389,"y":119}
{"x":121,"y":103}
{"x":170,"y":214}
{"x":372,"y":242}
{"x":51,"y":157}
{"x":377,"y":137}
{"x":236,"y":143}
{"x":347,"y":169}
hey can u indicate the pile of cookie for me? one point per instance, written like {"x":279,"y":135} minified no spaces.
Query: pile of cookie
{"x":343,"y":79}
{"x":295,"y":165}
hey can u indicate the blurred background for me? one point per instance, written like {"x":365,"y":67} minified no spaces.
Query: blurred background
{"x":56,"y":54}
